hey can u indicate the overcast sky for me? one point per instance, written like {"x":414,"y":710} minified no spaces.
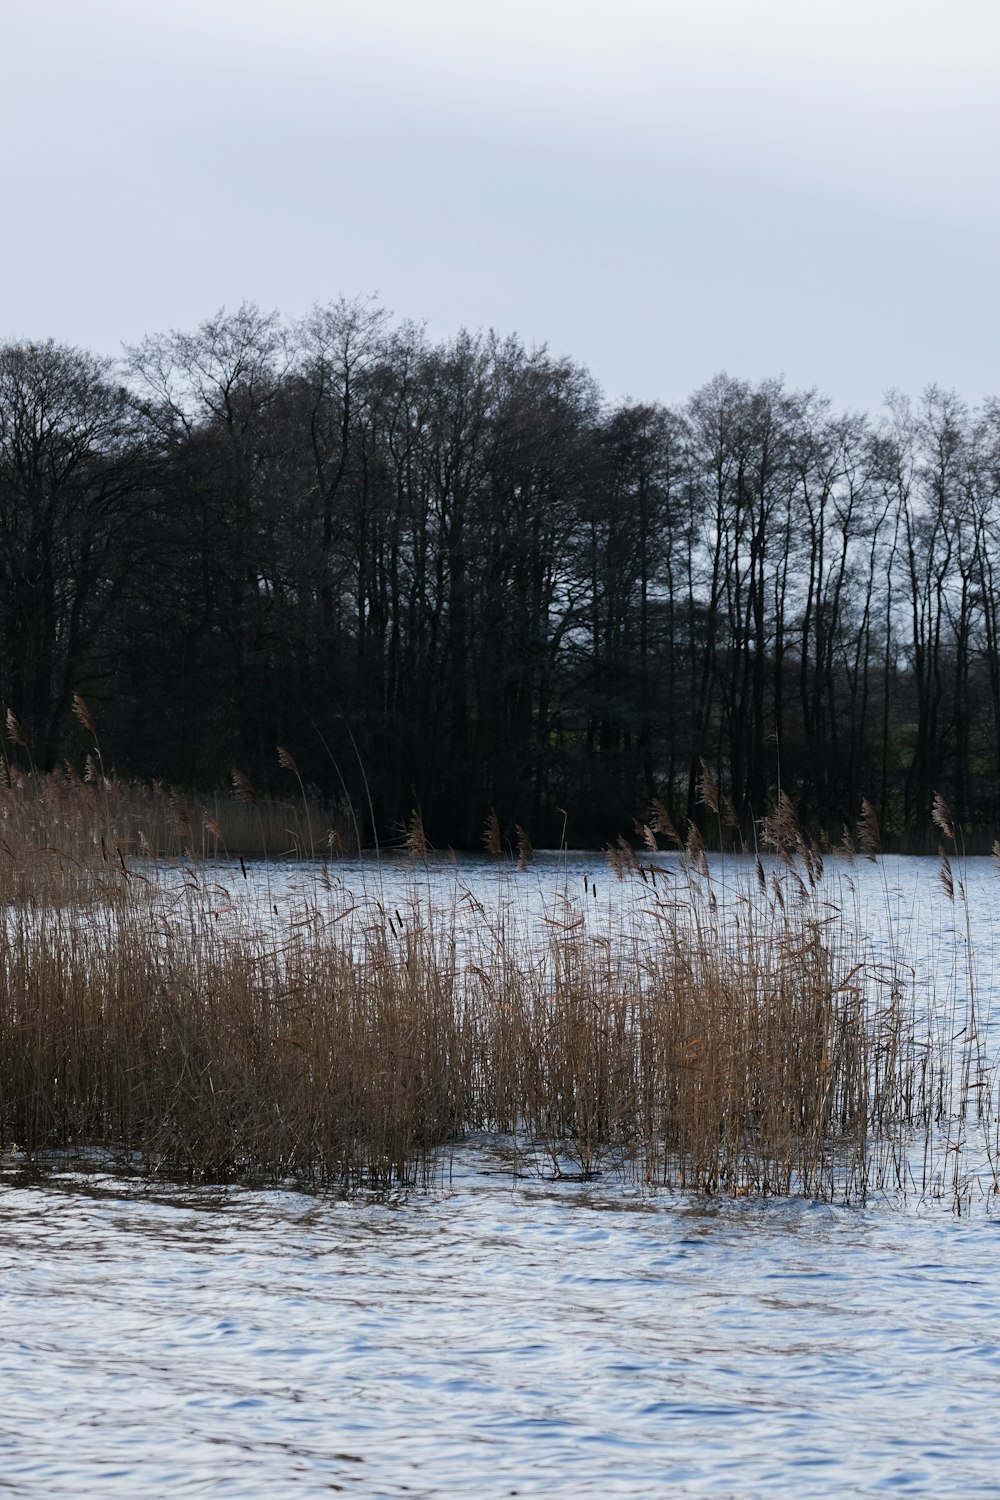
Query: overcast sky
{"x":660,"y":190}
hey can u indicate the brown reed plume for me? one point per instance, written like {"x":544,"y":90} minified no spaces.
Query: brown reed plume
{"x":661,"y":822}
{"x":941,"y":817}
{"x":415,"y":840}
{"x":869,"y":836}
{"x":243,"y":786}
{"x":708,"y":792}
{"x":492,"y":840}
{"x":14,"y":731}
{"x":82,"y":713}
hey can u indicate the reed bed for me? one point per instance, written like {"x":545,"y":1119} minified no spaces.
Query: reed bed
{"x":71,"y":837}
{"x":722,"y":1037}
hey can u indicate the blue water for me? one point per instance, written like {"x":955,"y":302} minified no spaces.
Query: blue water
{"x":491,"y":1337}
{"x":495,"y":1334}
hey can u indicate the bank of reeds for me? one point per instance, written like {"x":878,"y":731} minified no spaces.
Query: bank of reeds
{"x":698,"y":1034}
{"x":67,"y":836}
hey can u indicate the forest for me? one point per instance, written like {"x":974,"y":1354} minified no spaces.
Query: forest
{"x":452,"y":576}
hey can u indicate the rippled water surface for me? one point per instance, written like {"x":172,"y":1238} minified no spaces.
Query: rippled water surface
{"x":491,"y":1338}
{"x":498,"y":1335}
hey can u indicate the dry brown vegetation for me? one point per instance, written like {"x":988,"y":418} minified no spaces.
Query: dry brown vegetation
{"x":708,"y":1036}
{"x":69,"y":837}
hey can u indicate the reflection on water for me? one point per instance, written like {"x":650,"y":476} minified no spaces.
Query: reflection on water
{"x":490,"y":1338}
{"x":499,"y":1335}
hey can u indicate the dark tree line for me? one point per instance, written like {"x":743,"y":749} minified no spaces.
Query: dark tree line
{"x":450,"y":575}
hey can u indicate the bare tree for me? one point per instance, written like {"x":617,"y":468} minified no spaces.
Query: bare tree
{"x":70,"y":485}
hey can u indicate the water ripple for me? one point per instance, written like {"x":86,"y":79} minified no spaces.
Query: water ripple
{"x":490,"y":1339}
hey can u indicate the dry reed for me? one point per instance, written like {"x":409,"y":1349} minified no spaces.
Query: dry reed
{"x":718,"y":1038}
{"x":63,"y":836}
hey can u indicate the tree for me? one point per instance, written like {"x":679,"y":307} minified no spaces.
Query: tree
{"x":73,"y":482}
{"x":210,"y":401}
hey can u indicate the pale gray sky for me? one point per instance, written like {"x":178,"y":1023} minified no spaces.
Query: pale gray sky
{"x":660,"y":190}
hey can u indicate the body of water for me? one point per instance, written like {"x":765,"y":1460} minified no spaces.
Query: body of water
{"x":496,"y":1334}
{"x":491,"y":1338}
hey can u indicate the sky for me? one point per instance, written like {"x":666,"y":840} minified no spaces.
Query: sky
{"x":659,"y":190}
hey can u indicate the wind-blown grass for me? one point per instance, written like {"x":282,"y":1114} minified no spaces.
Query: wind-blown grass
{"x":723,"y":1038}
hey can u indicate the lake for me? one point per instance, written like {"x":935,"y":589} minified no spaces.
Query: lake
{"x":496,"y":1333}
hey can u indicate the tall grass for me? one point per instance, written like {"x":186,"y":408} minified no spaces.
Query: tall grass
{"x":725,"y":1036}
{"x":69,"y":837}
